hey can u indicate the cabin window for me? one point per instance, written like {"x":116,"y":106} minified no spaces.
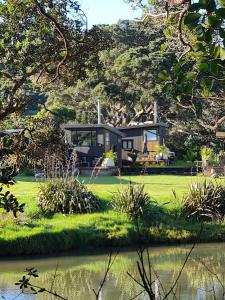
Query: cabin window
{"x":107,"y":139}
{"x":151,"y":135}
{"x":84,"y":138}
{"x":128,"y":144}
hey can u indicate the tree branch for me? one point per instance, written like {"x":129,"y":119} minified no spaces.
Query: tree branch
{"x":61,"y":34}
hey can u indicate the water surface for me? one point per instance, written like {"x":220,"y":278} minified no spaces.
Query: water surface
{"x":77,"y":275}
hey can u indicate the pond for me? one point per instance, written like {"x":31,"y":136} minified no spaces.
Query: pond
{"x":77,"y":275}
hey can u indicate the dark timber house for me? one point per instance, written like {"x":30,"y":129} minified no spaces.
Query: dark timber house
{"x":143,"y":138}
{"x":91,"y":141}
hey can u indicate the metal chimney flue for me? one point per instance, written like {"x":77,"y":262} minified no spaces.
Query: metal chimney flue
{"x":99,"y":112}
{"x":155,"y":112}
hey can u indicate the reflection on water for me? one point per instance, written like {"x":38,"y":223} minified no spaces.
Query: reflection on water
{"x":78,"y":275}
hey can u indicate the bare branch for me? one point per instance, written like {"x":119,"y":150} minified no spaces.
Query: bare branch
{"x":111,"y":261}
{"x":61,"y":34}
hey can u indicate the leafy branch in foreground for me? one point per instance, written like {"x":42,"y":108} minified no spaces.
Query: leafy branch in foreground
{"x":27,"y":287}
{"x":7,"y":172}
{"x":9,"y":203}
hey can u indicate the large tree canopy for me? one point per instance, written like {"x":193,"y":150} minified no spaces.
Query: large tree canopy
{"x":195,"y":30}
{"x":127,"y":83}
{"x":42,"y":42}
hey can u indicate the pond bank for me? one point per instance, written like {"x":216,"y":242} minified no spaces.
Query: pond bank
{"x":107,"y":233}
{"x":35,"y":233}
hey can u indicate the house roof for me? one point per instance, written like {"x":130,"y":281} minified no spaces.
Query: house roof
{"x":91,"y":126}
{"x":144,"y":125}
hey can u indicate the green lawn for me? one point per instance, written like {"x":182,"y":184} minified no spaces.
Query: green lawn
{"x":36,"y":233}
{"x":160,"y":187}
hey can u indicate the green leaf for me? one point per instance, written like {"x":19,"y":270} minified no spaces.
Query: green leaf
{"x":206,"y":83}
{"x":198,"y":47}
{"x":209,"y":5}
{"x":214,"y":22}
{"x":222,"y":33}
{"x":192,"y":18}
{"x":203,"y":67}
{"x":164,"y":75}
{"x":191,"y":75}
{"x":195,"y":7}
{"x":176,"y":69}
{"x":167,"y":32}
{"x":217,"y":52}
{"x":163,"y":47}
{"x":222,"y":3}
{"x":220,"y":12}
{"x":207,"y":36}
{"x":179,"y":97}
{"x":213,"y":67}
{"x":222,"y":53}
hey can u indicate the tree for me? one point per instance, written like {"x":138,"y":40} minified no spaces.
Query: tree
{"x":127,"y":83}
{"x":42,"y":44}
{"x":195,"y":29}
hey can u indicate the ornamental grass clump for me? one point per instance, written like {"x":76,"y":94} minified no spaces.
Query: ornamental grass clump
{"x":132,"y":200}
{"x":67,"y":196}
{"x":205,"y":201}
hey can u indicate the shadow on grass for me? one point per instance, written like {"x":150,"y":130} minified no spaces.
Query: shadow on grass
{"x":106,"y":180}
{"x":159,"y":227}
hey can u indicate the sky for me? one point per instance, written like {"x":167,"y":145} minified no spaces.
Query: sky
{"x":107,"y":11}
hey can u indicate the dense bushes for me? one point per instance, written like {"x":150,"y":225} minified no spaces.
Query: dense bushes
{"x":205,"y":201}
{"x":67,"y":196}
{"x":131,"y":200}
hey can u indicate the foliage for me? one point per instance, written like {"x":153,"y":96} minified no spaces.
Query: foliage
{"x":208,"y":155}
{"x":27,"y":287}
{"x":9,"y":203}
{"x":133,"y":154}
{"x":44,"y":136}
{"x":162,"y":149}
{"x":205,"y":201}
{"x":43,"y":44}
{"x":110,"y":154}
{"x":131,"y":200}
{"x":195,"y":32}
{"x":191,"y":155}
{"x":8,"y":170}
{"x":26,"y":171}
{"x":67,"y":196}
{"x":127,"y":83}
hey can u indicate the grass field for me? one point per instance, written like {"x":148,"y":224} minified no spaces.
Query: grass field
{"x":36,"y":233}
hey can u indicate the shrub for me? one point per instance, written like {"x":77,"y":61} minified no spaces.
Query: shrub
{"x":191,"y":155}
{"x":205,"y":201}
{"x":131,"y":200}
{"x":162,"y":149}
{"x":67,"y":196}
{"x":133,"y":155}
{"x":110,"y":154}
{"x":209,"y":156}
{"x":26,"y":171}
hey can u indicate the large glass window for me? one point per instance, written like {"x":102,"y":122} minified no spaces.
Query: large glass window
{"x":151,"y":135}
{"x":84,"y":138}
{"x":127,"y":144}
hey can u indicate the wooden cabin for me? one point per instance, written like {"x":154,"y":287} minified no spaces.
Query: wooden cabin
{"x":92,"y":141}
{"x":144,"y":139}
